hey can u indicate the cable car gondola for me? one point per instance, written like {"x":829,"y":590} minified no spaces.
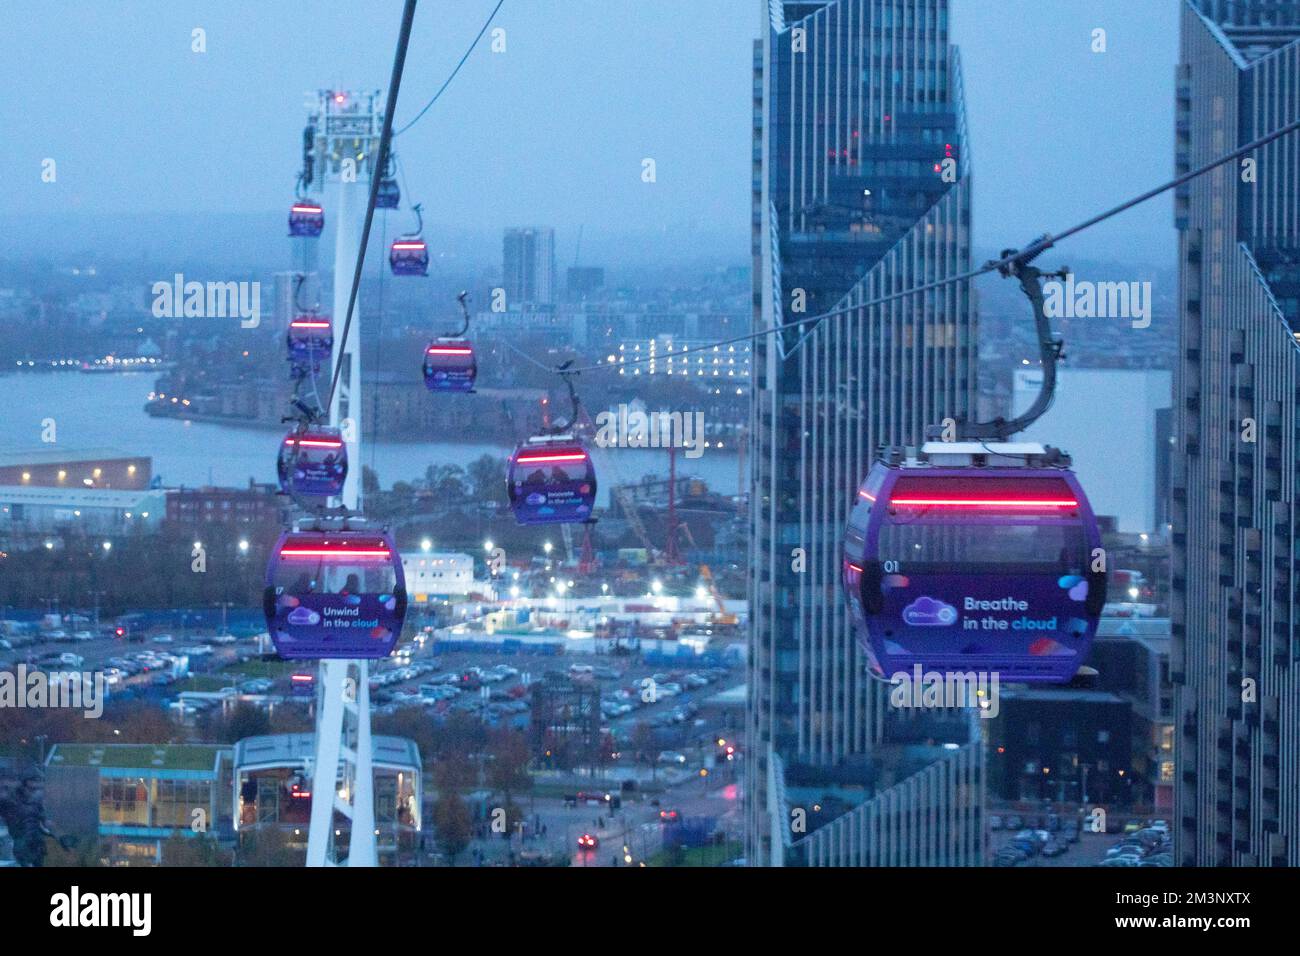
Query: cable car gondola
{"x":306,"y":219}
{"x":449,"y":366}
{"x":974,"y":557}
{"x":551,"y":481}
{"x":408,"y":255}
{"x":978,"y":554}
{"x":449,"y":363}
{"x":313,"y":463}
{"x":302,"y":684}
{"x":310,"y":341}
{"x":334,"y":595}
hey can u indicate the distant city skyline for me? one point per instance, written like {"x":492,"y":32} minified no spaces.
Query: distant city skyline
{"x":555,"y":129}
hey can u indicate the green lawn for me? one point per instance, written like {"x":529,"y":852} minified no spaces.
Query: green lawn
{"x":205,"y":682}
{"x":701,"y":855}
{"x":252,"y":669}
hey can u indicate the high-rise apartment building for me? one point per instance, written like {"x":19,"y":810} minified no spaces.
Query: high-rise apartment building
{"x":1235,"y":657}
{"x":528,"y":266}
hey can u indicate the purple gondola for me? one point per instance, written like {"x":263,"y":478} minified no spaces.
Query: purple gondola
{"x":306,"y":219}
{"x":310,"y":343}
{"x":960,"y":569}
{"x":551,"y":480}
{"x":450,"y":366}
{"x":337,"y":595}
{"x":409,"y":256}
{"x":313,"y":463}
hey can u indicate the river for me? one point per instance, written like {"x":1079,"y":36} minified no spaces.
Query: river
{"x":107,"y":411}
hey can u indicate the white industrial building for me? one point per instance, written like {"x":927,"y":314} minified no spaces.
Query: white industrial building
{"x":438,"y":574}
{"x":36,"y":510}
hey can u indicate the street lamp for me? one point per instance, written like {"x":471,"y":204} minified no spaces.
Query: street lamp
{"x":487,"y":546}
{"x":546,"y":546}
{"x":656,"y":585}
{"x":243,"y":546}
{"x":107,"y":546}
{"x":426,"y":545}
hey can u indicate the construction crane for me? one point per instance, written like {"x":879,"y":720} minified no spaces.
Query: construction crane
{"x":723,"y":616}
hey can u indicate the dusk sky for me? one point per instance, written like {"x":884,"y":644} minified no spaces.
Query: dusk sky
{"x":553,"y":131}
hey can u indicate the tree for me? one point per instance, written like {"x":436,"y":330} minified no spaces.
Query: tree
{"x":451,"y":483}
{"x":453,"y":826}
{"x":200,"y":850}
{"x":369,"y":481}
{"x":268,"y":846}
{"x":244,"y":721}
{"x":643,"y":747}
{"x":414,"y":724}
{"x":487,"y":480}
{"x":137,"y":723}
{"x":507,"y":773}
{"x":85,"y":852}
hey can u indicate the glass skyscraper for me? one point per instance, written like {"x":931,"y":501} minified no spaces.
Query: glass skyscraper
{"x":1236,"y":532}
{"x":861,"y":187}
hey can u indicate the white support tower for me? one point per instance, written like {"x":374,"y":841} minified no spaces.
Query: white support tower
{"x":347,"y":128}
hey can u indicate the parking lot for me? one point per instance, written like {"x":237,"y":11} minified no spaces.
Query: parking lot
{"x":1064,"y":840}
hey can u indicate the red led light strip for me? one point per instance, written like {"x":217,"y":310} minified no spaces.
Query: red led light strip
{"x":529,"y":461}
{"x":333,"y":553}
{"x":987,"y":502}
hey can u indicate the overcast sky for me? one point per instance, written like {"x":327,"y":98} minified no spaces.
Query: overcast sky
{"x":554,"y":130}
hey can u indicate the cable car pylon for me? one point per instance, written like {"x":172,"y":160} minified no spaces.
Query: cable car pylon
{"x":343,"y":764}
{"x":352,"y":145}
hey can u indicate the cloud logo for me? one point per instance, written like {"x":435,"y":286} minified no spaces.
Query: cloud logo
{"x":1076,"y":586}
{"x":928,"y":612}
{"x":303,"y":616}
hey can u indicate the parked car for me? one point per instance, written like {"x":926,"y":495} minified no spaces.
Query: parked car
{"x":672,"y":756}
{"x":66,"y":659}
